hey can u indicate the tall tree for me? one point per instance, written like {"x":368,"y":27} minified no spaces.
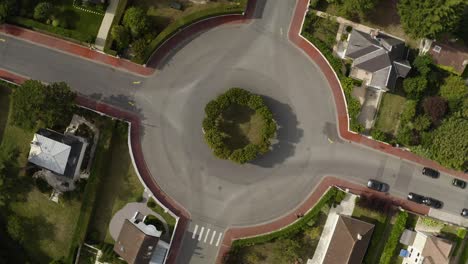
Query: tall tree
{"x":454,"y":90}
{"x":450,"y":143}
{"x":423,"y":64}
{"x":359,"y":8}
{"x":35,"y":102}
{"x":415,"y":86}
{"x":7,"y":8}
{"x":120,"y":35}
{"x":435,"y":107}
{"x":430,"y":18}
{"x":136,"y":20}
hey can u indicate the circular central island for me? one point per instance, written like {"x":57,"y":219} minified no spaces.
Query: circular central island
{"x":238,"y":126}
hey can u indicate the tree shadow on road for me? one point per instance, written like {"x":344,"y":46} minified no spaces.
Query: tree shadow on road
{"x":287,"y":135}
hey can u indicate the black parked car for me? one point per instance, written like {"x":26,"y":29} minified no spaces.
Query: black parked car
{"x":464,"y":212}
{"x":430,"y":172}
{"x":378,"y":186}
{"x":459,"y":183}
{"x":416,"y":198}
{"x":432,"y":203}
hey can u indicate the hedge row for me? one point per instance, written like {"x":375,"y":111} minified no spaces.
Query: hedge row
{"x":119,"y":12}
{"x":393,"y":239}
{"x":354,"y":107}
{"x":332,"y":196}
{"x":71,"y":35}
{"x":183,"y":22}
{"x":216,"y":138}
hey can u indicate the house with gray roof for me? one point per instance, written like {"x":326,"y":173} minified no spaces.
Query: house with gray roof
{"x":378,"y":59}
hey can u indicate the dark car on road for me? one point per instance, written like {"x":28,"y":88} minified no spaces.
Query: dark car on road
{"x":430,"y":172}
{"x":377,"y":185}
{"x":459,"y":183}
{"x":464,"y":212}
{"x":432,"y":202}
{"x":416,"y":198}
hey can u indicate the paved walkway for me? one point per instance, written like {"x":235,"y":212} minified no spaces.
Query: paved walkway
{"x":106,"y":24}
{"x":346,"y":207}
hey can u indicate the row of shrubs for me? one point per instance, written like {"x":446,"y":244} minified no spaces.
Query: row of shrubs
{"x":393,"y":239}
{"x":215,"y":137}
{"x":333,"y":196}
{"x":51,"y":29}
{"x":347,"y":83}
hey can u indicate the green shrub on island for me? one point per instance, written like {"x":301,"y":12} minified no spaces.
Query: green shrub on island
{"x":238,"y":126}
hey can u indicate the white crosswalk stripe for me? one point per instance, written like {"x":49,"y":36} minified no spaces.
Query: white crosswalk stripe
{"x":219,"y":239}
{"x":207,"y":235}
{"x":195,"y":231}
{"x":201,"y":233}
{"x":212,"y":237}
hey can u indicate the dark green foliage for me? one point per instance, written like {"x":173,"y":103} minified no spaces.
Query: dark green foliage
{"x":454,"y":90}
{"x":151,"y":203}
{"x":216,"y":139}
{"x":435,"y":107}
{"x":120,"y":36}
{"x":43,"y":11}
{"x":393,"y":239}
{"x":406,"y":136}
{"x":7,"y":8}
{"x":408,"y":113}
{"x":429,"y":18}
{"x":286,"y":251}
{"x":138,"y":48}
{"x":415,"y":86}
{"x":136,"y":20}
{"x":422,"y":123}
{"x":35,"y":102}
{"x":8,"y":157}
{"x":423,"y":64}
{"x":299,"y":226}
{"x":152,"y":220}
{"x":378,"y":135}
{"x":450,"y":144}
{"x":42,"y":185}
{"x":357,"y":8}
{"x":354,"y":107}
{"x":15,"y":228}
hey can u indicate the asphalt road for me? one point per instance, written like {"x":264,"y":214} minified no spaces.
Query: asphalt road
{"x":218,"y":193}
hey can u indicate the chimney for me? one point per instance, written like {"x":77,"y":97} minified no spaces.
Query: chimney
{"x":359,"y":237}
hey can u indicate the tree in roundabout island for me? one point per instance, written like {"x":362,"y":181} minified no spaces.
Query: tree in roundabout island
{"x":238,"y":126}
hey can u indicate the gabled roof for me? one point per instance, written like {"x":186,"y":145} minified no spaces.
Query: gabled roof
{"x":49,"y":154}
{"x":134,"y":245}
{"x":349,"y":241}
{"x":378,"y":55}
{"x":450,"y":54}
{"x":436,"y":251}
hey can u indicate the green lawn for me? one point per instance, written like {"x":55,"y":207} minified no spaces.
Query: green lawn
{"x":76,"y":24}
{"x":388,"y":117}
{"x":48,"y":226}
{"x":121,"y":186}
{"x":243,"y":125}
{"x":379,"y":235}
{"x":170,"y":220}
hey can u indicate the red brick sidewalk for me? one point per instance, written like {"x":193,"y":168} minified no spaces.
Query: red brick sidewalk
{"x":73,"y":48}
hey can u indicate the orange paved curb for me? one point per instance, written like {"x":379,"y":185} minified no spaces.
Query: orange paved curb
{"x":73,"y":48}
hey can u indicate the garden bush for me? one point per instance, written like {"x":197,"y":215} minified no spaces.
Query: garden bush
{"x":393,"y":239}
{"x":152,"y":220}
{"x":215,"y":115}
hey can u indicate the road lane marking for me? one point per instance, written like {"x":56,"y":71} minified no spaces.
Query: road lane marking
{"x":2,"y":40}
{"x":206,"y":236}
{"x":329,"y":140}
{"x":201,"y":233}
{"x":136,"y":82}
{"x":219,"y":239}
{"x":212,"y":237}
{"x":195,"y":231}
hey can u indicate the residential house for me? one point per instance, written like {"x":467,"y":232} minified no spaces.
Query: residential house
{"x":378,"y":59}
{"x":349,"y":241}
{"x":138,"y":243}
{"x":59,"y":153}
{"x":424,"y":248}
{"x":446,"y":53}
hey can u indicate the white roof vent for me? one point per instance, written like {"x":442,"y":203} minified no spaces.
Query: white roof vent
{"x":437,"y":49}
{"x":359,"y":237}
